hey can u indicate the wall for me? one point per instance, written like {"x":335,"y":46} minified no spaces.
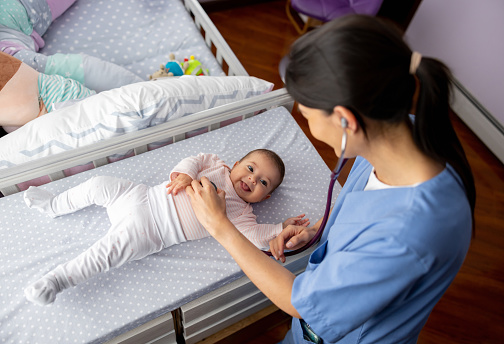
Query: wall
{"x":468,"y":36}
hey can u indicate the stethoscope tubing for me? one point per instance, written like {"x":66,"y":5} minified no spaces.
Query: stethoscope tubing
{"x":334,"y":176}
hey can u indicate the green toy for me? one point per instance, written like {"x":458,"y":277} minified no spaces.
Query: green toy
{"x":192,"y":66}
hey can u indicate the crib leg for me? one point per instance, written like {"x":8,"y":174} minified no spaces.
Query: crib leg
{"x":178,"y":325}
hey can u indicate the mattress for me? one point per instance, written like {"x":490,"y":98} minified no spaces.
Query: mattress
{"x":135,"y":34}
{"x":126,"y":297}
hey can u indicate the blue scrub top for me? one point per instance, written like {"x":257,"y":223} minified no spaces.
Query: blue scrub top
{"x":385,"y":259}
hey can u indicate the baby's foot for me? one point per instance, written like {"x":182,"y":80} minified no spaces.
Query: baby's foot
{"x":39,"y":199}
{"x":42,"y":292}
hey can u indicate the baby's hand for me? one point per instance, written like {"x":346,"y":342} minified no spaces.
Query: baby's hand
{"x":296,"y":221}
{"x":180,"y":182}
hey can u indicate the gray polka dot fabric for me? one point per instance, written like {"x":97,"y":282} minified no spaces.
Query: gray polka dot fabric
{"x":137,"y":35}
{"x":126,"y":297}
{"x":39,"y":13}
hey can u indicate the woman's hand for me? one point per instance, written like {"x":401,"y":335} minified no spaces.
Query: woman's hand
{"x":292,"y":238}
{"x":296,"y":221}
{"x":180,"y":182}
{"x":208,"y":205}
{"x":274,"y":280}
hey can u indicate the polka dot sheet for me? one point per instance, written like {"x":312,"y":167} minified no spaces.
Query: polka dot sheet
{"x":126,"y":297}
{"x":135,"y":34}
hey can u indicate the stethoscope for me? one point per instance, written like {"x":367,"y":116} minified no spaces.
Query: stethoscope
{"x":334,"y":176}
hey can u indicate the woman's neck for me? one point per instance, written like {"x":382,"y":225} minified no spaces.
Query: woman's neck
{"x":398,"y":161}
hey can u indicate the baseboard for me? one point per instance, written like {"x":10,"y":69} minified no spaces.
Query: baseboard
{"x":479,"y":120}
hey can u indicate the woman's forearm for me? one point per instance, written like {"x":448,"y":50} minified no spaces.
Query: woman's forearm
{"x":319,"y":222}
{"x":271,"y":278}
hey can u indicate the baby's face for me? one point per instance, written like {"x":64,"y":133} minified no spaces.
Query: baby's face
{"x":254,"y":177}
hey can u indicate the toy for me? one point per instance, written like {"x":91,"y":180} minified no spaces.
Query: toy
{"x":162,"y":72}
{"x":194,"y":67}
{"x":190,"y":66}
{"x":174,"y":66}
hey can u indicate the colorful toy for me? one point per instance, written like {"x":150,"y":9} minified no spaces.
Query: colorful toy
{"x":190,"y":66}
{"x":174,"y":66}
{"x":194,"y":67}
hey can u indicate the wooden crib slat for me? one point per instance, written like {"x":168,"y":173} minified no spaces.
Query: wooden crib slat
{"x":197,"y":22}
{"x":179,"y":137}
{"x":208,"y":41}
{"x":9,"y":190}
{"x":218,"y":57}
{"x":100,"y":162}
{"x":56,"y":175}
{"x":140,"y":149}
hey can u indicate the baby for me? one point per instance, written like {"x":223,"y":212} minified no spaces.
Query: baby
{"x":145,"y":220}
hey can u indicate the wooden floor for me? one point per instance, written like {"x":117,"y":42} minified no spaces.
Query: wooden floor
{"x":472,"y":310}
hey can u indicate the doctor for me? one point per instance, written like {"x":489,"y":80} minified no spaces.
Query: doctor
{"x":401,"y":226}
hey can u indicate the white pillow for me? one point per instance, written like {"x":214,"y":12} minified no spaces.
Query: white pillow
{"x":125,"y":109}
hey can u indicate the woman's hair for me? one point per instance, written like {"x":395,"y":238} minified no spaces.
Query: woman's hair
{"x":274,"y":158}
{"x":363,"y":64}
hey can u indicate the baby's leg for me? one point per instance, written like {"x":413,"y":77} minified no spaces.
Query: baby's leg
{"x":99,"y":190}
{"x":98,"y":258}
{"x":133,"y":238}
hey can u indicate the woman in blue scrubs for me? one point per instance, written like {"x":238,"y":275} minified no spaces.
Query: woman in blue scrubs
{"x":401,"y":227}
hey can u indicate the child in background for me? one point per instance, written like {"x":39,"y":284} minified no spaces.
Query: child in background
{"x":145,"y":220}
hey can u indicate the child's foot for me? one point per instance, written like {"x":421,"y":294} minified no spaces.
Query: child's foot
{"x":42,"y":292}
{"x":39,"y":199}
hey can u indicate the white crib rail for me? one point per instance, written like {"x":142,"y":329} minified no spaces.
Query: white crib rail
{"x":223,"y":52}
{"x":138,"y":141}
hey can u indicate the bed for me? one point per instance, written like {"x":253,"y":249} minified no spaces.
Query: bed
{"x":184,"y":293}
{"x":104,"y":32}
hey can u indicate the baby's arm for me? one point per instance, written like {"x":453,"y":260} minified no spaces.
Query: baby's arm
{"x":179,"y":182}
{"x":296,"y":221}
{"x":261,"y":234}
{"x":188,"y":169}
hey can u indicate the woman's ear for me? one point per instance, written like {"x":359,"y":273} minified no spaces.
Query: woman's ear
{"x":343,"y":116}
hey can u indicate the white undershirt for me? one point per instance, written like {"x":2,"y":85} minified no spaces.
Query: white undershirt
{"x":375,"y":184}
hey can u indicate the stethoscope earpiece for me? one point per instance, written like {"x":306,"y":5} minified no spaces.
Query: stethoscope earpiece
{"x":344,"y":123}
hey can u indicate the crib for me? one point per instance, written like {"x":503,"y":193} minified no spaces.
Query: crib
{"x":184,"y":293}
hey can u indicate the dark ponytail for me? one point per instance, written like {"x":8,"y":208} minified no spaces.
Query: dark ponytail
{"x":363,"y":63}
{"x":433,"y":130}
